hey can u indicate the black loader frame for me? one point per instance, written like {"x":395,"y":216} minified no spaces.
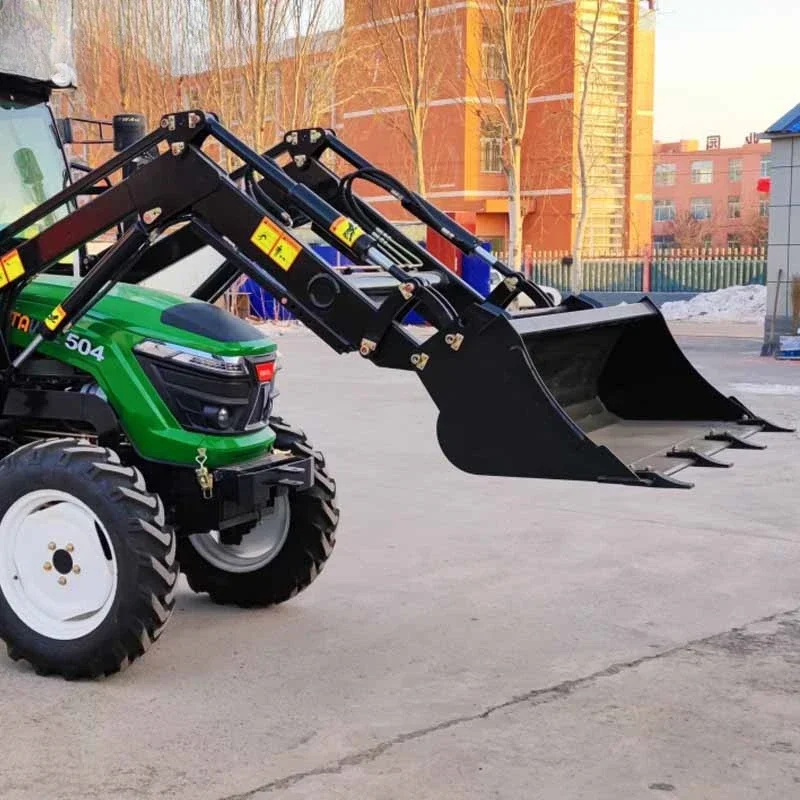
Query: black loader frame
{"x":568,"y":392}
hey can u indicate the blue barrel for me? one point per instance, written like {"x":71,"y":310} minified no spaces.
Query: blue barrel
{"x":262,"y":304}
{"x":476,"y":272}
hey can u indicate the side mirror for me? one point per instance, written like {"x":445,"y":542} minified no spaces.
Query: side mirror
{"x":128,"y":129}
{"x":64,"y":128}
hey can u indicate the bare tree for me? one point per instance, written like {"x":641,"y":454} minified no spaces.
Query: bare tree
{"x":755,"y":228}
{"x":404,"y":32}
{"x":689,"y":232}
{"x":236,"y":75}
{"x":312,"y":61}
{"x":262,"y":65}
{"x":517,"y":62}
{"x":124,"y":53}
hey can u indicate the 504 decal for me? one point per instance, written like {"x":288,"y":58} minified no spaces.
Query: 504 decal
{"x":72,"y":341}
{"x":84,"y":346}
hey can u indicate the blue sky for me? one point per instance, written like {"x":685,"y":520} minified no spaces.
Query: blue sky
{"x":725,"y":67}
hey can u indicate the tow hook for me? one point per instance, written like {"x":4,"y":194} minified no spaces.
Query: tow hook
{"x":204,"y":478}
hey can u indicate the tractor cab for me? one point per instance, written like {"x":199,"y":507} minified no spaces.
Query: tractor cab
{"x":35,"y":59}
{"x":33,"y":167}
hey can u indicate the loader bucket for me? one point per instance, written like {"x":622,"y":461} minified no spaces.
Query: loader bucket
{"x":577,"y":393}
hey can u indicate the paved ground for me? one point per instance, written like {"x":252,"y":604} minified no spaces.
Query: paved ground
{"x":471,"y":638}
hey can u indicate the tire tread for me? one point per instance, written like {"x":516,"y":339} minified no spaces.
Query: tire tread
{"x":312,"y":536}
{"x":146,"y":545}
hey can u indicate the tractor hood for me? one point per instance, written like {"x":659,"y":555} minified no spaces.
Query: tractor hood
{"x":36,"y":42}
{"x":139,"y":313}
{"x":118,"y":345}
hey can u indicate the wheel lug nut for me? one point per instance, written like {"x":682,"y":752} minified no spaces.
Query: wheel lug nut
{"x":76,"y":569}
{"x":69,"y":548}
{"x":47,"y":566}
{"x":51,"y":546}
{"x":62,"y":581}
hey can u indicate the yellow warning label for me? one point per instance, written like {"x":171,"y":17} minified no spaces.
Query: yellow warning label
{"x":265,"y":236}
{"x":345,"y":230}
{"x":54,"y":318}
{"x":285,"y":252}
{"x":12,"y":267}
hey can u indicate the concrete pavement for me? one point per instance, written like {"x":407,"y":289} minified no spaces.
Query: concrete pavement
{"x":471,"y":637}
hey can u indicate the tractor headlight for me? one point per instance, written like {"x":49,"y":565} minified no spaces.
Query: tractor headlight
{"x":207,"y":393}
{"x":217,"y":417}
{"x":222,"y":365}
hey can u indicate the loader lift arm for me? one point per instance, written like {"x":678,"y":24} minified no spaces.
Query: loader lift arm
{"x":184,"y":185}
{"x":572,"y":392}
{"x":307,"y":149}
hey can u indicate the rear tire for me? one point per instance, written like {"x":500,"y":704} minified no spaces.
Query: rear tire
{"x":300,"y":555}
{"x":87,"y":569}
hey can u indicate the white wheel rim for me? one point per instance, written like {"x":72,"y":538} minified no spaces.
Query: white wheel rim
{"x":58,"y":570}
{"x":258,"y":547}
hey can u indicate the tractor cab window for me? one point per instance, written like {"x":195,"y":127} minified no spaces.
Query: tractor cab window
{"x":32,"y":166}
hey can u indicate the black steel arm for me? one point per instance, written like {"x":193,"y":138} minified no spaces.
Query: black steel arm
{"x":307,"y":148}
{"x":184,"y":185}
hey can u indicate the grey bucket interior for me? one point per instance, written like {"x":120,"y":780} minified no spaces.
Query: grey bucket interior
{"x":622,"y":379}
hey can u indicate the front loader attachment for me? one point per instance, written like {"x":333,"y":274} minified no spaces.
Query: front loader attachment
{"x":569,"y":392}
{"x":600,"y":394}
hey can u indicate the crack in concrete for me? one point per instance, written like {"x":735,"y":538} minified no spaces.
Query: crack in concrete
{"x":535,"y":697}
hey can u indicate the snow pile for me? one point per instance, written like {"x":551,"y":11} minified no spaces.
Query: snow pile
{"x":735,"y":304}
{"x":272,"y":328}
{"x":766,"y":388}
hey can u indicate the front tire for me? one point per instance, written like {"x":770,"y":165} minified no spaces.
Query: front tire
{"x":286,"y":551}
{"x":87,"y":569}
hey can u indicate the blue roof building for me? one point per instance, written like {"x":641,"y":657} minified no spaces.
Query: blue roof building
{"x":783,"y":257}
{"x":787,"y":125}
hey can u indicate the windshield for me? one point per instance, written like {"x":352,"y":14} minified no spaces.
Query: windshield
{"x":32,"y":166}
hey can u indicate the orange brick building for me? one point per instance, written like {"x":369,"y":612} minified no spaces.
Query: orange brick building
{"x":710,"y":197}
{"x":463,"y":149}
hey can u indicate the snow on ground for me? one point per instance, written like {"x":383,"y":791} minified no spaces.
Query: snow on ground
{"x":273,"y":329}
{"x":766,"y":388}
{"x":735,"y":304}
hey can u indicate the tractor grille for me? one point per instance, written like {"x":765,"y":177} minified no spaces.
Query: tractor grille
{"x":210,"y":403}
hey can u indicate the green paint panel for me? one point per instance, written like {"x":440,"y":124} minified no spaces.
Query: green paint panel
{"x":126,"y":316}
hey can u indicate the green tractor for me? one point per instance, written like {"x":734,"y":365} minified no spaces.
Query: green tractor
{"x":90,"y":546}
{"x":137,"y":426}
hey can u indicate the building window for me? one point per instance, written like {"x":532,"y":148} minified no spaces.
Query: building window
{"x":763,"y":208}
{"x":701,"y":208}
{"x":735,"y":170}
{"x":702,"y":172}
{"x":734,"y":241}
{"x":734,"y":207}
{"x":765,"y":164}
{"x":664,"y":210}
{"x":492,"y":57}
{"x":491,"y":147}
{"x":666,"y":174}
{"x":706,"y":241}
{"x":663,"y":242}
